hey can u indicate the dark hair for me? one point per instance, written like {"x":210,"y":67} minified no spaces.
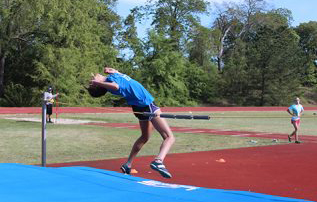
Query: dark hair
{"x":96,"y":91}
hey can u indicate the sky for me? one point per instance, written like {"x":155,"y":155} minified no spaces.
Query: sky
{"x":302,"y":10}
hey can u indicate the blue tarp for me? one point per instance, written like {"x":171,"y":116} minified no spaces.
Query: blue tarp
{"x":26,"y":183}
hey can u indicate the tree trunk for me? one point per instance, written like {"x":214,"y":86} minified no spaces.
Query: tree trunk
{"x":221,"y":49}
{"x":263,"y":83}
{"x":2,"y":62}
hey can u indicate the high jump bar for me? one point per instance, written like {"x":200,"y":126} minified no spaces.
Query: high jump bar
{"x":175,"y":116}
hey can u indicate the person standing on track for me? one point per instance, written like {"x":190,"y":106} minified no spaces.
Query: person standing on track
{"x":49,"y":98}
{"x":141,"y":101}
{"x":295,"y":110}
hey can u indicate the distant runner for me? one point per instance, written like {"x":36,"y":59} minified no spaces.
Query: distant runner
{"x":296,"y":111}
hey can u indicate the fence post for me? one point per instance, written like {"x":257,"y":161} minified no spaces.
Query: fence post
{"x":44,"y":131}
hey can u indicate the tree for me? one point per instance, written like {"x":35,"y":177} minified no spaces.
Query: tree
{"x":78,"y":40}
{"x":163,"y":72}
{"x":233,"y":21}
{"x":263,"y":67}
{"x":18,"y":22}
{"x":236,"y":77}
{"x":308,"y":43}
{"x":174,"y":18}
{"x":130,"y":40}
{"x":160,"y":58}
{"x":201,"y":48}
{"x":66,"y":41}
{"x":274,"y":64}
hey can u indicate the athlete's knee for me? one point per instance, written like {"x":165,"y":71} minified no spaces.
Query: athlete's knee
{"x":169,"y":137}
{"x":144,"y":138}
{"x":173,"y":139}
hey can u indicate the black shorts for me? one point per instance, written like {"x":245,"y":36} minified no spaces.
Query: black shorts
{"x":152,"y":108}
{"x":49,"y":109}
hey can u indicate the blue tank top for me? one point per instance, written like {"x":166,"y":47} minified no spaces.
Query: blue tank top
{"x":131,"y":90}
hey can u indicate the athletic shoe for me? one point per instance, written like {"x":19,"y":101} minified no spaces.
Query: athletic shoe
{"x":297,"y":142}
{"x":161,"y":169}
{"x":125,"y":169}
{"x":289,"y":138}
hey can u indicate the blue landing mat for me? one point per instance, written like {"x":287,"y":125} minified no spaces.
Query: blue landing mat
{"x":25,"y":183}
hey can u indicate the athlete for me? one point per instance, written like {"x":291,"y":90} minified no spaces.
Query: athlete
{"x":141,"y":101}
{"x":295,"y":110}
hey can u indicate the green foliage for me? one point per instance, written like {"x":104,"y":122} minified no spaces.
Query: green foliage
{"x":261,"y":60}
{"x":164,"y":71}
{"x":202,"y":85}
{"x":18,"y":20}
{"x":130,"y":38}
{"x":308,"y":42}
{"x":174,"y":18}
{"x":274,"y":67}
{"x":201,"y":47}
{"x":236,"y":76}
{"x":308,"y":37}
{"x":264,"y":68}
{"x":70,"y":40}
{"x":17,"y":95}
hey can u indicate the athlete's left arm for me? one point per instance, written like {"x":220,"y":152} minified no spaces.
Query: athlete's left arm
{"x":99,"y":80}
{"x":107,"y":85}
{"x":301,"y":111}
{"x":109,"y":70}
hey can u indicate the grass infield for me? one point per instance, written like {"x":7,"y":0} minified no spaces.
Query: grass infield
{"x":20,"y":141}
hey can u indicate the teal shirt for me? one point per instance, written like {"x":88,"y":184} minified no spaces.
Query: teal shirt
{"x":296,"y":109}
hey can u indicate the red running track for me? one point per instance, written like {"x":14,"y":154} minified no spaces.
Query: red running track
{"x":37,"y":110}
{"x":281,"y":170}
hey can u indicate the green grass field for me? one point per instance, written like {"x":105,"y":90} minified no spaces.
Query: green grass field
{"x":20,"y":141}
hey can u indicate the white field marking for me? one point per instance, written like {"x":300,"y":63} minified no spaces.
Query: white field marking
{"x":198,"y":131}
{"x":153,"y":183}
{"x":59,"y":121}
{"x":243,"y":135}
{"x":180,"y":129}
{"x":263,"y":133}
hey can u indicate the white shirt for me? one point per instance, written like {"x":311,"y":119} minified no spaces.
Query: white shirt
{"x":48,"y":97}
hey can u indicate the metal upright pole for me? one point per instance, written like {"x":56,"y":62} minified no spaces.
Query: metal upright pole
{"x":44,"y":132}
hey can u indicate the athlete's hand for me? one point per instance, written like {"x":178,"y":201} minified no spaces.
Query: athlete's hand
{"x":109,"y":70}
{"x":98,"y":78}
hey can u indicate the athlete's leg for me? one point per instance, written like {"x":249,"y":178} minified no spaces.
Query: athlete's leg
{"x":146,"y":131}
{"x":163,"y":128}
{"x":297,"y":126}
{"x":295,"y":130}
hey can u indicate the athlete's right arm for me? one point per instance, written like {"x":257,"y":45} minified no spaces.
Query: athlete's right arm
{"x":289,"y":111}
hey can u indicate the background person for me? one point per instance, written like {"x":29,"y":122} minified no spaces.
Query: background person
{"x":141,"y":101}
{"x":49,"y":98}
{"x":296,"y":111}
